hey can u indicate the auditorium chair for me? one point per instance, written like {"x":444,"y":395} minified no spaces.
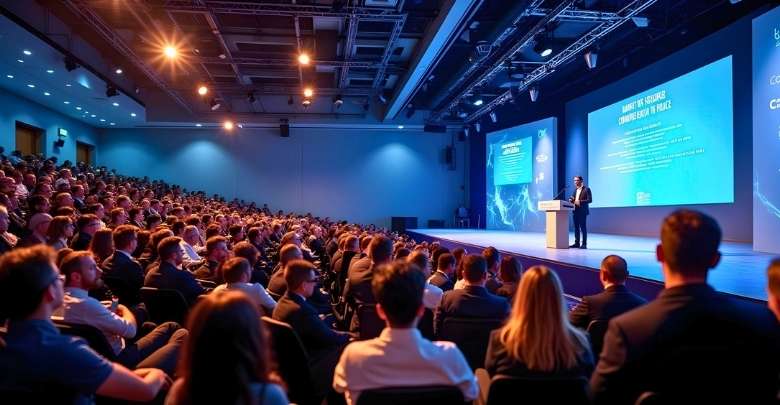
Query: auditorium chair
{"x":292,"y":361}
{"x":425,"y":324}
{"x":506,"y":390}
{"x":164,"y":305}
{"x":422,"y":395}
{"x":471,"y":335}
{"x":596,"y":331}
{"x":370,"y":324}
{"x":94,"y":337}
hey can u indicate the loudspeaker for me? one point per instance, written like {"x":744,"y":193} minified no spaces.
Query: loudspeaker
{"x":401,"y":224}
{"x":449,"y":157}
{"x":59,"y":143}
{"x":284,"y":128}
{"x":435,"y":223}
{"x":435,"y":128}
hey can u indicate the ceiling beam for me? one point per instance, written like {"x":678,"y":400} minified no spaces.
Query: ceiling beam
{"x":276,"y":9}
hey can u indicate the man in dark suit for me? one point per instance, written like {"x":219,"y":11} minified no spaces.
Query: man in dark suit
{"x":580,"y":198}
{"x":170,"y":275}
{"x":88,"y":224}
{"x":444,"y":276}
{"x":473,"y":301}
{"x":323,"y":344}
{"x":691,"y":344}
{"x":613,"y":301}
{"x":358,"y":289}
{"x":121,"y":272}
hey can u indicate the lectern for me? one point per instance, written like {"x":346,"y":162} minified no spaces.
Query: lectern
{"x":557,"y":228}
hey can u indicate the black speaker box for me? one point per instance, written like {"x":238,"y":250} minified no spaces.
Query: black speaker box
{"x":401,"y":224}
{"x":435,"y":128}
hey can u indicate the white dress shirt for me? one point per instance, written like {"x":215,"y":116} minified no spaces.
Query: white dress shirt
{"x":460,"y":284}
{"x":78,"y":307}
{"x":432,"y":296}
{"x":255,"y":291}
{"x":402,"y":358}
{"x":190,"y":255}
{"x":577,"y":194}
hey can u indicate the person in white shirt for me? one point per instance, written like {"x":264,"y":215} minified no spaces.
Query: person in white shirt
{"x":432,"y":294}
{"x":157,"y":349}
{"x":190,"y":239}
{"x":237,"y":274}
{"x":400,"y":356}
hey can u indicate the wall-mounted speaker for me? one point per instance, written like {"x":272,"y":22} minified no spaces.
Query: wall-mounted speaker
{"x":449,"y":157}
{"x":59,"y":143}
{"x":284,"y":128}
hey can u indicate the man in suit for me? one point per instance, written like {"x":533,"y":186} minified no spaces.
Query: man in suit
{"x":358,"y":289}
{"x":88,"y":224}
{"x":581,"y":198}
{"x":691,"y":344}
{"x":493,"y":261}
{"x":170,"y":275}
{"x":613,"y":301}
{"x":121,"y":272}
{"x":444,"y":276}
{"x":474,"y":300}
{"x":323,"y":344}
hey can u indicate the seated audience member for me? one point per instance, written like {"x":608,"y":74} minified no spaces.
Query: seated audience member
{"x":157,"y":349}
{"x":143,"y":237}
{"x":474,"y":300}
{"x":509,"y":273}
{"x":613,"y":301}
{"x":59,"y":233}
{"x":351,"y":249}
{"x":169,"y":274}
{"x":401,"y":253}
{"x":216,"y":254}
{"x":118,"y":217}
{"x":7,"y":240}
{"x":400,"y":356}
{"x":277,"y":285}
{"x":87,"y":225}
{"x":691,"y":344}
{"x":150,"y":257}
{"x":226,"y":358}
{"x":773,"y":287}
{"x":444,"y":275}
{"x":38,"y":226}
{"x":36,"y":357}
{"x":102,"y":244}
{"x":537,"y":340}
{"x":190,"y":239}
{"x":358,"y":288}
{"x":249,"y":252}
{"x":237,"y":274}
{"x":322,"y":343}
{"x":122,"y":268}
{"x":493,"y":260}
{"x":432,"y":294}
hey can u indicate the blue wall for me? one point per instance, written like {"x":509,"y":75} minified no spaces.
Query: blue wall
{"x":736,"y":218}
{"x":359,"y":175}
{"x":15,"y":108}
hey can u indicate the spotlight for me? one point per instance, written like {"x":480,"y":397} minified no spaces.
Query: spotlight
{"x":170,"y":51}
{"x":734,"y":1}
{"x":640,"y":22}
{"x":241,"y":125}
{"x":290,"y":101}
{"x":251,"y":97}
{"x":478,"y":127}
{"x":382,"y":98}
{"x":466,"y":131}
{"x":70,"y":64}
{"x":338,"y":101}
{"x":214,"y":104}
{"x":304,"y":59}
{"x":591,"y":57}
{"x":26,"y":52}
{"x":493,"y":117}
{"x":542,"y":46}
{"x":462,"y":114}
{"x":306,"y":102}
{"x":118,"y":71}
{"x":478,"y":102}
{"x":228,"y":125}
{"x":534,"y":93}
{"x":111,"y":91}
{"x":308,"y":92}
{"x":514,"y":95}
{"x":203,"y":90}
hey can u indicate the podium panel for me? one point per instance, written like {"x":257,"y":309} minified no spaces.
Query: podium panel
{"x":557,"y":222}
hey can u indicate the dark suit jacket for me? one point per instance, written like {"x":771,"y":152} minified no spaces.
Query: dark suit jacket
{"x":169,"y":277}
{"x":315,"y":335}
{"x":586,"y":197}
{"x":691,"y":340}
{"x":498,"y":361}
{"x":358,"y":288}
{"x":30,"y":240}
{"x":604,"y":306}
{"x":129,"y":273}
{"x":470,"y":302}
{"x":209,"y":271}
{"x":277,"y":284}
{"x":441,"y":280}
{"x":81,"y":241}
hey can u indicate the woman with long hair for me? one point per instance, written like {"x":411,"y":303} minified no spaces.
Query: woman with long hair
{"x":509,"y":272}
{"x":537,"y":339}
{"x":60,"y":232}
{"x":225,"y":359}
{"x":102,"y":245}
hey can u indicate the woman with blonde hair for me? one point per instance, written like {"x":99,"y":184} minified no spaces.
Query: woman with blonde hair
{"x":537,"y":339}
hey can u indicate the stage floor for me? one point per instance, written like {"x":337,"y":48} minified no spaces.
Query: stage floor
{"x":741,"y":270}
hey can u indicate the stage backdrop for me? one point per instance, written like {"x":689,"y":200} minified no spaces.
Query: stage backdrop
{"x":766,"y":132}
{"x":520,"y":172}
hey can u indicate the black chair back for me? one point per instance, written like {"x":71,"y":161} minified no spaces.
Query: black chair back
{"x":164,"y":305}
{"x":127,"y":296}
{"x":94,"y":337}
{"x":596,"y":331}
{"x":371,"y":325}
{"x":425,"y":325}
{"x":292,"y":361}
{"x":472,"y":336}
{"x":424,"y":395}
{"x":537,"y":391}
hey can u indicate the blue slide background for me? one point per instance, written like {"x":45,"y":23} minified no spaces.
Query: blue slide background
{"x":766,"y":132}
{"x":697,"y":122}
{"x":513,"y":206}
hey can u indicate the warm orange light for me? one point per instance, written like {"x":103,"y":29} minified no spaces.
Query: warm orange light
{"x":308,"y":92}
{"x":203,"y":90}
{"x":304,"y":59}
{"x":228,"y":125}
{"x":170,"y":51}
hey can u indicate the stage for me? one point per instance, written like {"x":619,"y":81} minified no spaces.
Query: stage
{"x":741,"y":271}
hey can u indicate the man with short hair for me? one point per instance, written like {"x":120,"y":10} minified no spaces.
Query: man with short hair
{"x":493,"y":260}
{"x":444,"y":276}
{"x":277,"y":285}
{"x":87,"y":224}
{"x":613,"y":301}
{"x":358,"y":288}
{"x":252,"y":255}
{"x":170,"y":275}
{"x":158,"y":349}
{"x":400,"y":356}
{"x":474,"y":300}
{"x":691,"y":344}
{"x":118,"y":217}
{"x":36,"y":357}
{"x":39,"y":226}
{"x":121,"y":272}
{"x":216,"y":254}
{"x":581,"y":199}
{"x":238,"y":273}
{"x":7,"y":240}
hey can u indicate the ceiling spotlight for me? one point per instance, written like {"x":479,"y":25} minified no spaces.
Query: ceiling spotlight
{"x":20,"y":60}
{"x":70,"y":64}
{"x":466,"y":131}
{"x":306,"y":102}
{"x":250,"y":97}
{"x":462,"y":114}
{"x":203,"y":90}
{"x":111,"y":91}
{"x":26,"y":52}
{"x":542,"y":47}
{"x":46,"y":93}
{"x":591,"y":58}
{"x":478,"y":102}
{"x":514,"y":95}
{"x":240,"y":125}
{"x":49,"y":71}
{"x":78,"y":108}
{"x":132,"y":114}
{"x":304,"y":59}
{"x":32,"y":86}
{"x":734,"y":1}
{"x":228,"y":125}
{"x":478,"y":127}
{"x":115,"y":104}
{"x":382,"y":98}
{"x":290,"y":100}
{"x":112,"y":123}
{"x":198,"y":125}
{"x":640,"y":22}
{"x":493,"y":117}
{"x":214,"y":104}
{"x":9,"y":76}
{"x":102,"y":120}
{"x":308,"y":92}
{"x":93,"y":115}
{"x":170,"y":51}
{"x":118,"y":71}
{"x":400,"y":127}
{"x":534,"y":93}
{"x":338,"y":101}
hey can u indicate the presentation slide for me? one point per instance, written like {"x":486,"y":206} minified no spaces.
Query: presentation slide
{"x":766,"y":132}
{"x":669,"y":145}
{"x":520,"y":173}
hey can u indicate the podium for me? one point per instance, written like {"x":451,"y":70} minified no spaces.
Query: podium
{"x":557,"y":227}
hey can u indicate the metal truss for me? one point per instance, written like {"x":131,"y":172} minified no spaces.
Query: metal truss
{"x":631,"y":10}
{"x":270,"y":9}
{"x":571,"y":14}
{"x":380,"y":73}
{"x":352,"y":26}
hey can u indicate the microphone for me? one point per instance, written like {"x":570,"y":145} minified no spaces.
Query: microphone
{"x":560,"y":192}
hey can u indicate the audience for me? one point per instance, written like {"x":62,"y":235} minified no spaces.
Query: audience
{"x":216,"y":254}
{"x":102,"y":244}
{"x":444,"y":276}
{"x":509,"y":273}
{"x":38,"y":226}
{"x":432,"y":294}
{"x":168,"y":273}
{"x":60,"y":232}
{"x":493,"y":260}
{"x":7,"y":240}
{"x":357,"y":290}
{"x":87,"y":224}
{"x":121,"y":272}
{"x":238,"y":273}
